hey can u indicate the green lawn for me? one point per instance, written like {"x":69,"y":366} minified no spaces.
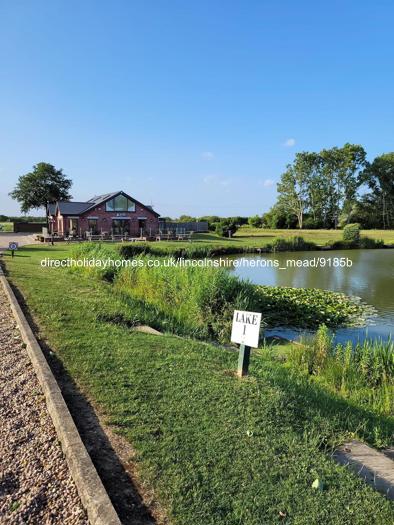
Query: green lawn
{"x":247,"y":237}
{"x":216,"y":450}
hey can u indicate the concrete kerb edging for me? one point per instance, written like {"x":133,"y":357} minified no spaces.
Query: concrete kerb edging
{"x":89,"y":485}
{"x":374,"y":467}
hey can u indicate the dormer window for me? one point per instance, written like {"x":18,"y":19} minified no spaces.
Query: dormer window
{"x":120,"y":203}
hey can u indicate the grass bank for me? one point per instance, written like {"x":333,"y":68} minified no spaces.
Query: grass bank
{"x":216,"y":450}
{"x":200,"y":302}
{"x":209,"y":245}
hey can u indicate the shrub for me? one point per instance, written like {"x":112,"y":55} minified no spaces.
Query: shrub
{"x":255,"y":221}
{"x":291,"y":244}
{"x":224,"y":227}
{"x":310,"y":223}
{"x":351,"y":233}
{"x":367,"y":242}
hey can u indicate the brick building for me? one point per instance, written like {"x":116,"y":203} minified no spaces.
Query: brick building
{"x":113,"y":213}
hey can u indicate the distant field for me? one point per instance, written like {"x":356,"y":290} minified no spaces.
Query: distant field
{"x":6,"y":226}
{"x":317,"y":236}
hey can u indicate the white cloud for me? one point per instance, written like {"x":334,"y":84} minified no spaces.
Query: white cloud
{"x":208,"y":179}
{"x":215,"y":180}
{"x":207,"y":155}
{"x":289,"y":143}
{"x":267,"y":183}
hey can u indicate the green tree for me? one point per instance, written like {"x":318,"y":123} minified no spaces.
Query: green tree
{"x":40,"y":187}
{"x":279,"y":217}
{"x":255,"y":221}
{"x":209,"y":218}
{"x":226,"y":227}
{"x":186,"y":218}
{"x":340,"y":171}
{"x":379,"y":176}
{"x":294,"y":186}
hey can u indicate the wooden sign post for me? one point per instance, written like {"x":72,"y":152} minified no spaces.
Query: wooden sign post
{"x":246,"y":332}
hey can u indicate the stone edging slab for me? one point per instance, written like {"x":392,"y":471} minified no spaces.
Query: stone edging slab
{"x":89,"y":485}
{"x":373,"y":466}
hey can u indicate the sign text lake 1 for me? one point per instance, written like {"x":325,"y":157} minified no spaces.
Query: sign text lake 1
{"x":245,"y":331}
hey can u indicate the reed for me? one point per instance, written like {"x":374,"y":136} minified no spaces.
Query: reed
{"x":363,"y":373}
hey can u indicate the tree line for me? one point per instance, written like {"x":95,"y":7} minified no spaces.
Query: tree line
{"x":326,"y":189}
{"x":335,"y":187}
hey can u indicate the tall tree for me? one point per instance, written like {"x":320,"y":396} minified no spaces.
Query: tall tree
{"x":40,"y":187}
{"x":340,"y":170}
{"x":294,"y":186}
{"x":379,"y":176}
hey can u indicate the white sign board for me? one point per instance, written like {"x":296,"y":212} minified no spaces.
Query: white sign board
{"x":246,"y":328}
{"x":13,"y":246}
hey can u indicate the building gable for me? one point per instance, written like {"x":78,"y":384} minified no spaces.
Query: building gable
{"x":101,"y":200}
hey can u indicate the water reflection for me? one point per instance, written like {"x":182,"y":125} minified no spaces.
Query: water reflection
{"x":371,"y":277}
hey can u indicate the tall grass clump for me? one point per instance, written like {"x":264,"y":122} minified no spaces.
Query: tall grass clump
{"x":192,"y":251}
{"x":363,"y":372}
{"x":191,"y":300}
{"x":97,"y":257}
{"x":292,"y":244}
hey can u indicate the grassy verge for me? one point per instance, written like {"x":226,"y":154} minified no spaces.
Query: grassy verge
{"x":216,"y":450}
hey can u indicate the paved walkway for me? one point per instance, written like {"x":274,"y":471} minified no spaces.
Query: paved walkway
{"x":20,"y":238}
{"x":35,"y":484}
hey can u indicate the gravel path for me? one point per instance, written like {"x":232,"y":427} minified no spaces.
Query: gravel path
{"x":35,"y":485}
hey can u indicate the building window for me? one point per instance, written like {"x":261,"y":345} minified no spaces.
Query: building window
{"x":120,"y":226}
{"x":120,"y":203}
{"x":92,"y":226}
{"x":74,"y":227}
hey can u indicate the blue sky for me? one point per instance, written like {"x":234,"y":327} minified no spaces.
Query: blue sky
{"x":195,"y":107}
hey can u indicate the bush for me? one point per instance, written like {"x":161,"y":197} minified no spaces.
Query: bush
{"x":367,"y":242}
{"x":224,"y":227}
{"x":255,"y":221}
{"x":291,"y":244}
{"x":351,"y":233}
{"x":310,"y":223}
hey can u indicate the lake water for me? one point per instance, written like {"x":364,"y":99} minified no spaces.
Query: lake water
{"x":370,"y":277}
